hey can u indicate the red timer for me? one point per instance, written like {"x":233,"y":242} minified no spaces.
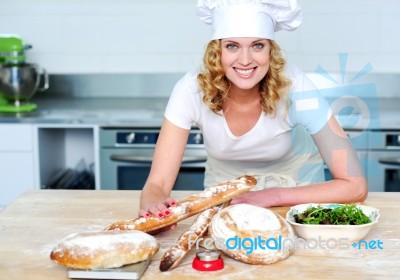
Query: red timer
{"x":208,"y":260}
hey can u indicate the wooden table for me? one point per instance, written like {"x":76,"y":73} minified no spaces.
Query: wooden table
{"x":35,"y":222}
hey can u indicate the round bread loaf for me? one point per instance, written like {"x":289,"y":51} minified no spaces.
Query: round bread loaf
{"x":252,"y":234}
{"x":104,"y":249}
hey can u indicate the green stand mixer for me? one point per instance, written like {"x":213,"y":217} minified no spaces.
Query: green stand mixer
{"x":19,"y":80}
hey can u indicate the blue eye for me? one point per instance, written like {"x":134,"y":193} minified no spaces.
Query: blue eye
{"x":258,"y":46}
{"x":231,"y":46}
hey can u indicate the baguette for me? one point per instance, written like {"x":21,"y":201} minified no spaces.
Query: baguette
{"x":190,"y":206}
{"x":177,"y":252}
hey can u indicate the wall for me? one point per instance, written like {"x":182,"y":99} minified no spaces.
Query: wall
{"x":364,"y":29}
{"x":157,"y":36}
{"x":107,"y":36}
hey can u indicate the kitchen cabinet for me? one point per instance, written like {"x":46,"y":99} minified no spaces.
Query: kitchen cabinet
{"x":17,"y":161}
{"x":66,"y":148}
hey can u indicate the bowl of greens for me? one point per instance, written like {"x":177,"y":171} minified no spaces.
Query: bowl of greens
{"x":350,"y":222}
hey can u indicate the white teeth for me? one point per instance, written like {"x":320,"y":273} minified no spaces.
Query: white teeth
{"x":244,"y":72}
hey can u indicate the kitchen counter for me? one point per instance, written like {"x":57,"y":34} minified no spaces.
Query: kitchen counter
{"x":142,"y":111}
{"x":96,"y":111}
{"x":38,"y":220}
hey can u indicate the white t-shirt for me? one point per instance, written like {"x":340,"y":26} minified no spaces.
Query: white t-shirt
{"x":274,"y":145}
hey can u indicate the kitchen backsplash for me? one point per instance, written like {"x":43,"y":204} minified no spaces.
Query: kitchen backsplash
{"x":158,"y":36}
{"x":112,"y":85}
{"x":161,"y":84}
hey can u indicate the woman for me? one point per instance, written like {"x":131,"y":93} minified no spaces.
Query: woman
{"x":258,"y":115}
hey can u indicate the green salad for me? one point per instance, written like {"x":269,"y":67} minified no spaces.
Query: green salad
{"x":347,"y":214}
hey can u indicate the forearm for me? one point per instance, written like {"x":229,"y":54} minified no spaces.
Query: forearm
{"x":336,"y":191}
{"x":165,"y":167}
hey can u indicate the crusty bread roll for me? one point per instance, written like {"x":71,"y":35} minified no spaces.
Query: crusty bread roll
{"x":252,"y":234}
{"x":190,"y":206}
{"x":104,"y":249}
{"x":187,"y":240}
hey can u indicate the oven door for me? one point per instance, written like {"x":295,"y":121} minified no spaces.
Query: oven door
{"x":384,"y":171}
{"x":128,"y":169}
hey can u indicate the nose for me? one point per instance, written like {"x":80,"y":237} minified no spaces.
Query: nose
{"x":245,"y":57}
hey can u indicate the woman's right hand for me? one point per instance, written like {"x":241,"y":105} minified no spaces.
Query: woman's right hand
{"x":160,"y":210}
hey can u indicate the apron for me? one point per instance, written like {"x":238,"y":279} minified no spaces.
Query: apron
{"x":301,"y":166}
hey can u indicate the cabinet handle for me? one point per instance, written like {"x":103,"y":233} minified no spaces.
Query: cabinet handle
{"x":149,"y":160}
{"x":390,"y":161}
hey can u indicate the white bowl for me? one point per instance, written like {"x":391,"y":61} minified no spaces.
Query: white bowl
{"x":337,"y":232}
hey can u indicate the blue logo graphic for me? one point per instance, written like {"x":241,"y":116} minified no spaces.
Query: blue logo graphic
{"x":354,"y":103}
{"x":368,"y":245}
{"x":249,"y":244}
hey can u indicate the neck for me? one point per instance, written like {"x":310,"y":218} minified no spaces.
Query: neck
{"x":237,"y":95}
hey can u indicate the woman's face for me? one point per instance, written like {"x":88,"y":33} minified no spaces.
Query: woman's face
{"x":245,"y":61}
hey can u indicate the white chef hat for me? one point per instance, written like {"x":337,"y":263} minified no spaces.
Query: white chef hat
{"x":249,"y":18}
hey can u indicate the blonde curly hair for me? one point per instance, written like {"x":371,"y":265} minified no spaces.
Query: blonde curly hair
{"x":215,"y":85}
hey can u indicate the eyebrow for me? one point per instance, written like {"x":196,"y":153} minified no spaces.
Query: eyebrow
{"x":231,"y":41}
{"x":228,"y":41}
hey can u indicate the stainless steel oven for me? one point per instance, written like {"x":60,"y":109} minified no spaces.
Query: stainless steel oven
{"x":384,"y":161}
{"x":126,"y":155}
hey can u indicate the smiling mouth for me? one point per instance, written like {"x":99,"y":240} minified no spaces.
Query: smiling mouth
{"x":245,"y":72}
